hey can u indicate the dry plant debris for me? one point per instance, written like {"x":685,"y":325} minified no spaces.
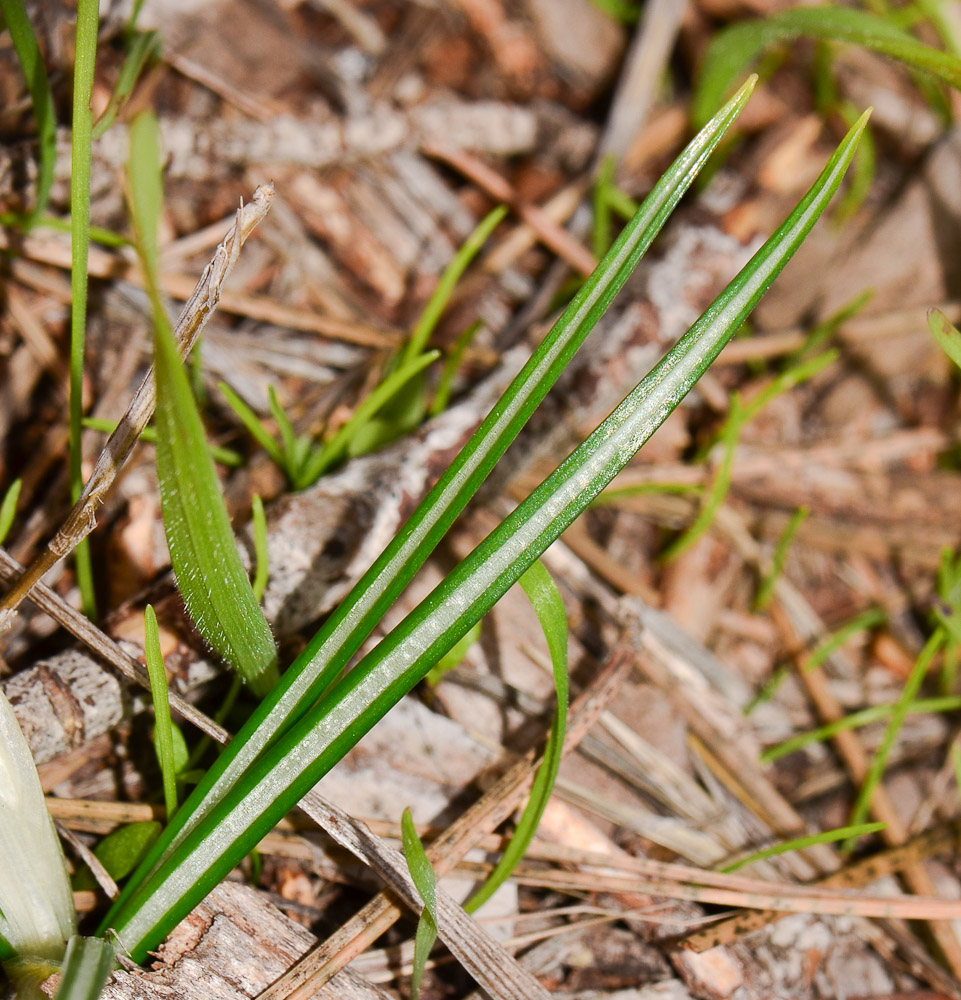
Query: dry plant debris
{"x":379,"y":133}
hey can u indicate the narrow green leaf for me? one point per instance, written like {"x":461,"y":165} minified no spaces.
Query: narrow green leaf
{"x":8,"y":509}
{"x":453,"y":656}
{"x":860,"y":623}
{"x":288,"y":437}
{"x":163,"y":737}
{"x":335,"y":449}
{"x":35,"y":74}
{"x":262,"y":557}
{"x":448,"y":282}
{"x":219,"y":833}
{"x":143,"y":48}
{"x":765,"y":591}
{"x":802,"y":843}
{"x":209,"y":573}
{"x":735,"y":49}
{"x":225,"y":456}
{"x":352,"y":621}
{"x":451,"y":364}
{"x":253,"y":423}
{"x":876,"y":713}
{"x":423,"y":877}
{"x":879,"y":762}
{"x":946,"y":334}
{"x":546,"y":599}
{"x":80,"y":157}
{"x":86,"y":967}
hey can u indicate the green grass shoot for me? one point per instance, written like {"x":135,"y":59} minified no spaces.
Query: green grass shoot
{"x":445,"y":383}
{"x":802,"y":843}
{"x":87,"y":964}
{"x":454,"y":271}
{"x":35,"y":73}
{"x":876,"y":713}
{"x":423,"y":876}
{"x":740,"y":415}
{"x":143,"y":48}
{"x":546,"y":600}
{"x":80,"y":157}
{"x":765,"y":592}
{"x":869,"y":619}
{"x":163,"y":725}
{"x":735,"y":49}
{"x":261,"y":556}
{"x":900,"y":711}
{"x":225,"y":456}
{"x":211,"y":578}
{"x":8,"y":508}
{"x":454,"y":656}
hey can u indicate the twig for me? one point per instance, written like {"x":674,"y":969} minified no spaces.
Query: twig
{"x":82,"y":518}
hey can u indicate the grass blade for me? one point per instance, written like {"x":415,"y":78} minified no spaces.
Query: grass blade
{"x":262,"y":556}
{"x":876,"y":713}
{"x":765,"y":592}
{"x":293,"y":763}
{"x":80,"y":156}
{"x":422,"y":875}
{"x":35,"y":73}
{"x":209,"y":573}
{"x":163,"y":727}
{"x":353,"y":620}
{"x":546,"y":599}
{"x":144,"y":47}
{"x":902,"y":706}
{"x":335,"y":449}
{"x":737,"y":47}
{"x":448,"y":282}
{"x":802,"y":843}
{"x":252,"y":422}
{"x":86,"y":967}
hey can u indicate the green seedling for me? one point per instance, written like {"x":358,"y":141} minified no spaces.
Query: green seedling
{"x":423,"y":877}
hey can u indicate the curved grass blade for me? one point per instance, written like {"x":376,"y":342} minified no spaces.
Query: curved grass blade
{"x":546,"y":599}
{"x":448,"y":282}
{"x":80,"y":158}
{"x":423,"y":876}
{"x":143,"y":48}
{"x":736,"y":48}
{"x":163,"y":726}
{"x":292,"y":764}
{"x":350,"y":624}
{"x":35,"y":73}
{"x":802,"y":843}
{"x":209,"y":573}
{"x":261,"y":555}
{"x":335,"y":449}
